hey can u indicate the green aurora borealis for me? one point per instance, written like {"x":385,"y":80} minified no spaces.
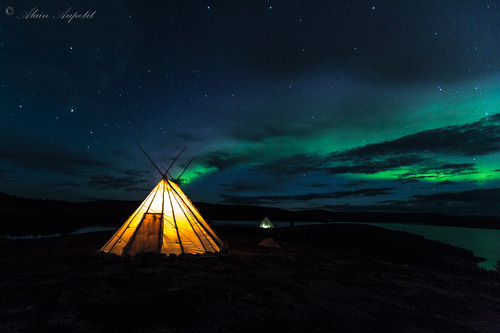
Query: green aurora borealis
{"x":343,"y":105}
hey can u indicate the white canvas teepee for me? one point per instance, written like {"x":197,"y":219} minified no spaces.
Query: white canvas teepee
{"x":166,"y":222}
{"x":266,"y":223}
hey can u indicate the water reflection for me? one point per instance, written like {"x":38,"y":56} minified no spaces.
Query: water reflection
{"x":484,"y":243}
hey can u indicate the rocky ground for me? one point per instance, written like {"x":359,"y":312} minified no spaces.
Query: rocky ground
{"x":325,"y":278}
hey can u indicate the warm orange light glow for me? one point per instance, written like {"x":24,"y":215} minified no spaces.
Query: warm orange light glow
{"x":165,"y":222}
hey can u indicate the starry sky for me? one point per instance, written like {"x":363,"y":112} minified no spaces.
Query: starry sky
{"x":342,"y":105}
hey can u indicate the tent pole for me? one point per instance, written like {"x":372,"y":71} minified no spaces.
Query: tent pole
{"x":160,"y":236}
{"x":187,"y":218}
{"x":132,"y":238}
{"x":177,"y":179}
{"x":163,"y":175}
{"x":214,"y":237}
{"x":175,"y":221}
{"x":131,"y":219}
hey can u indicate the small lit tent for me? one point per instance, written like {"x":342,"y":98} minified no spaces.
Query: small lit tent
{"x":266,"y":224}
{"x":165,"y":222}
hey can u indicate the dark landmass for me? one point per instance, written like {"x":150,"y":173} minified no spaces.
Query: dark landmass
{"x":219,"y":212}
{"x":326,"y":278}
{"x":22,"y":216}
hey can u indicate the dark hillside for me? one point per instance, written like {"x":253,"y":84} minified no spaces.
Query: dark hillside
{"x":21,"y":216}
{"x":325,"y":278}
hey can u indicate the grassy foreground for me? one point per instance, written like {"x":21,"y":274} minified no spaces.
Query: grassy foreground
{"x":325,"y":278}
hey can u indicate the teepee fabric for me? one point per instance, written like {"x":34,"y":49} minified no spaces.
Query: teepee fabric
{"x":165,"y":222}
{"x":266,"y":223}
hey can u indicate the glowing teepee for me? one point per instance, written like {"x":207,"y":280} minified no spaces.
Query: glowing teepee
{"x":166,"y":222}
{"x":266,"y":223}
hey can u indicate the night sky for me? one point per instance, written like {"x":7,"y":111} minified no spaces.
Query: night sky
{"x":343,"y":105}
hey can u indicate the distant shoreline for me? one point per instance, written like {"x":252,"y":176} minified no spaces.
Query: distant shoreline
{"x":21,"y":216}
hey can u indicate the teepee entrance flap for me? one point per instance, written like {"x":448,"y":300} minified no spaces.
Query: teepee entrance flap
{"x":147,"y":237}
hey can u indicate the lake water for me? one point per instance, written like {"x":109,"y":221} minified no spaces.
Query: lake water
{"x":484,"y":243}
{"x":79,"y":231}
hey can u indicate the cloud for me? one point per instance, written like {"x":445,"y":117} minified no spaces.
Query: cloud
{"x":8,"y":176}
{"x":317,"y":185}
{"x":222,"y":161}
{"x":135,"y":173}
{"x":35,"y":154}
{"x":419,"y":154}
{"x":478,"y":138}
{"x":483,"y":196}
{"x":482,"y":201}
{"x":368,"y":166}
{"x":435,"y":170}
{"x":356,"y":183}
{"x":188,"y":137}
{"x":106,"y":182}
{"x":138,"y":189}
{"x":268,"y":130}
{"x":368,"y":192}
{"x":296,"y":164}
{"x":70,"y":183}
{"x":241,"y":187}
